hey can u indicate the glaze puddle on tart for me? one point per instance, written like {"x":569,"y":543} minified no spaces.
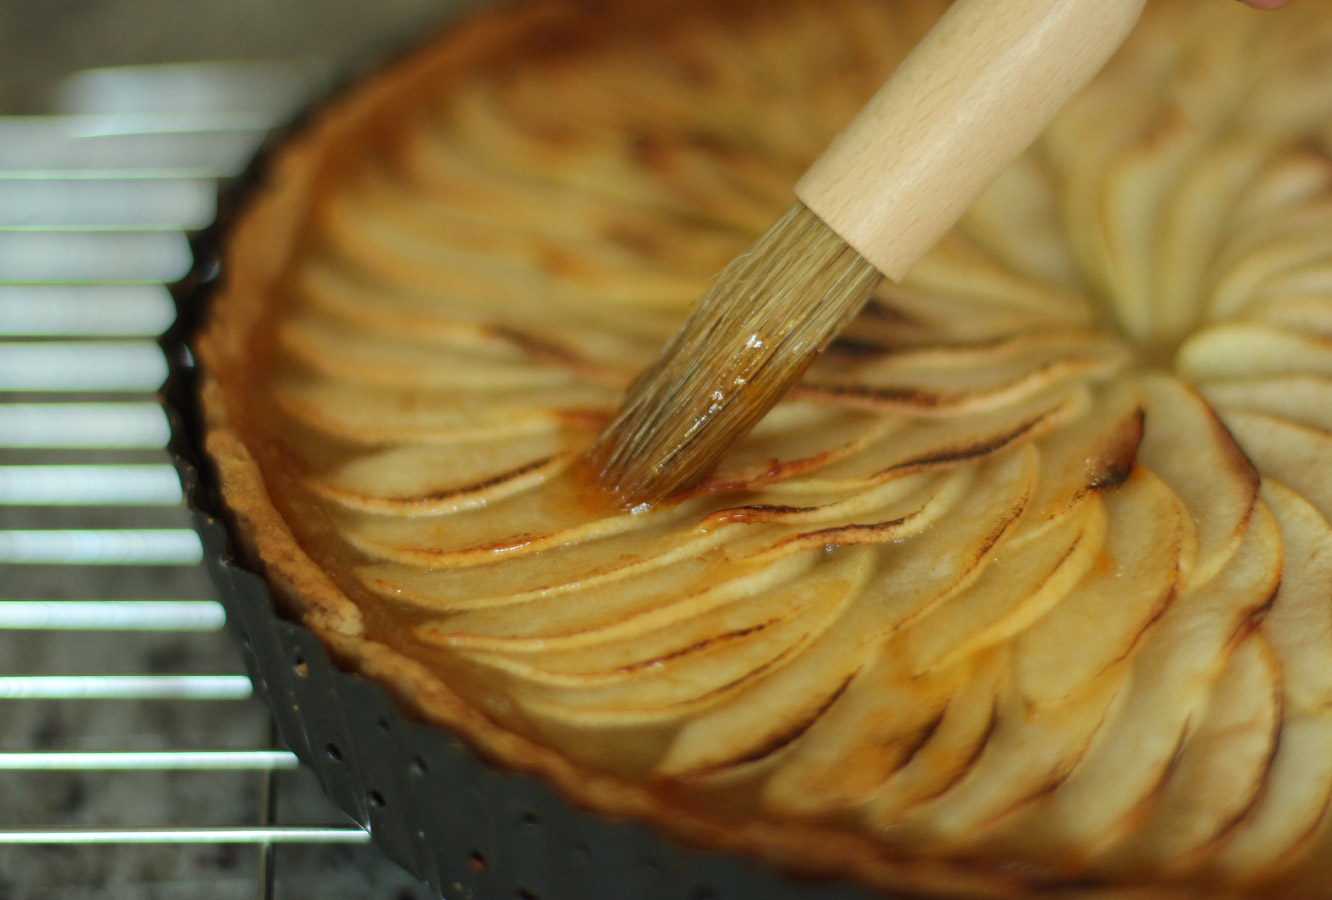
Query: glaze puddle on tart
{"x":1028,"y":584}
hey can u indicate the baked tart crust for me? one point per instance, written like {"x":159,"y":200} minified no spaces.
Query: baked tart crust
{"x":1027,"y":586}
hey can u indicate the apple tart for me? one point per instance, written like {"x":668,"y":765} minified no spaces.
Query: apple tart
{"x":1027,"y":586}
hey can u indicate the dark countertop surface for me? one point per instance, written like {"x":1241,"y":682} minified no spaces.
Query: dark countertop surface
{"x":42,"y":40}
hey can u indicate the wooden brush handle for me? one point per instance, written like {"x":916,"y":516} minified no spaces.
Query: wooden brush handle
{"x":965,"y":103}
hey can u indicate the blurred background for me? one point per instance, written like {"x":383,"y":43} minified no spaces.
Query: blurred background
{"x":42,"y":40}
{"x":129,"y":736}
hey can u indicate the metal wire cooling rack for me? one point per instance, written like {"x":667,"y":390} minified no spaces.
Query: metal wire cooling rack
{"x":133,"y":760}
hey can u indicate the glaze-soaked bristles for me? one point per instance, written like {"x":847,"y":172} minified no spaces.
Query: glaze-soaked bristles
{"x":744,"y":345}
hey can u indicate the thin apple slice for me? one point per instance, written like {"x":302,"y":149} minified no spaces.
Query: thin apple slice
{"x":951,"y":749}
{"x":707,"y":677}
{"x":847,"y":507}
{"x":1302,"y":302}
{"x":1025,"y":757}
{"x":385,"y":252}
{"x":674,"y":623}
{"x":1295,"y":179}
{"x":1170,"y":680}
{"x":1215,"y":480}
{"x":956,"y":441}
{"x":1305,"y":399}
{"x":366,"y":415}
{"x":881,"y":523}
{"x":433,"y":480}
{"x":364,"y":357}
{"x":457,"y":173}
{"x":1028,"y":578}
{"x":482,"y":127}
{"x":1193,"y":224}
{"x":1091,"y":453}
{"x":1299,"y":624}
{"x":910,"y":579}
{"x":1135,"y":184}
{"x":458,"y":227}
{"x":1277,"y":834}
{"x":1303,"y":238}
{"x":903,"y":315}
{"x":1222,"y":769}
{"x":559,"y":515}
{"x":1016,"y":220}
{"x":863,"y":737}
{"x":1107,"y":615}
{"x":1295,"y":455}
{"x":954,"y":379}
{"x":797,"y":439}
{"x":607,"y":577}
{"x":1247,"y":349}
{"x":340,"y":297}
{"x":958,"y":269}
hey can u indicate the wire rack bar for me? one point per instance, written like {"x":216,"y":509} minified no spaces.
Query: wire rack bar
{"x":81,"y":366}
{"x":91,"y":485}
{"x":137,"y":425}
{"x":77,"y":310}
{"x":111,"y":615}
{"x":102,"y":547}
{"x":237,"y":834}
{"x":124,"y":687}
{"x":134,"y":761}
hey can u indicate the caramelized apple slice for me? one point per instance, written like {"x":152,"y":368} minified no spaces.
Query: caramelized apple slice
{"x":1028,"y":578}
{"x":588,"y":348}
{"x":520,"y":525}
{"x":952,"y":748}
{"x":959,"y":379}
{"x":910,"y":579}
{"x":609,"y":576}
{"x":1288,"y":452}
{"x":860,"y":739}
{"x":1299,"y":624}
{"x":432,"y":479}
{"x":1170,"y":679}
{"x":1093,"y":452}
{"x":881,"y":523}
{"x":1215,"y":480}
{"x":797,"y":439}
{"x":1025,"y":757}
{"x":365,"y":358}
{"x":1108,"y":613}
{"x":951,"y":442}
{"x":1222,"y":768}
{"x":1275,"y":834}
{"x":673,"y":623}
{"x":702,"y":676}
{"x":366,"y":415}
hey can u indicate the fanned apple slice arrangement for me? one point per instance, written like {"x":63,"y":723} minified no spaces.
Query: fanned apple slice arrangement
{"x":1035,"y":566}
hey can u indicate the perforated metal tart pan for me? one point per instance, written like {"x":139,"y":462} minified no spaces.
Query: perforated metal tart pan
{"x":471,"y":831}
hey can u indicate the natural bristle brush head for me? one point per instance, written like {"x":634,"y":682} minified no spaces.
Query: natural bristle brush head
{"x":745,"y":344}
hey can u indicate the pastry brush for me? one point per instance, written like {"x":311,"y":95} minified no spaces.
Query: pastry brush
{"x":968,"y":100}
